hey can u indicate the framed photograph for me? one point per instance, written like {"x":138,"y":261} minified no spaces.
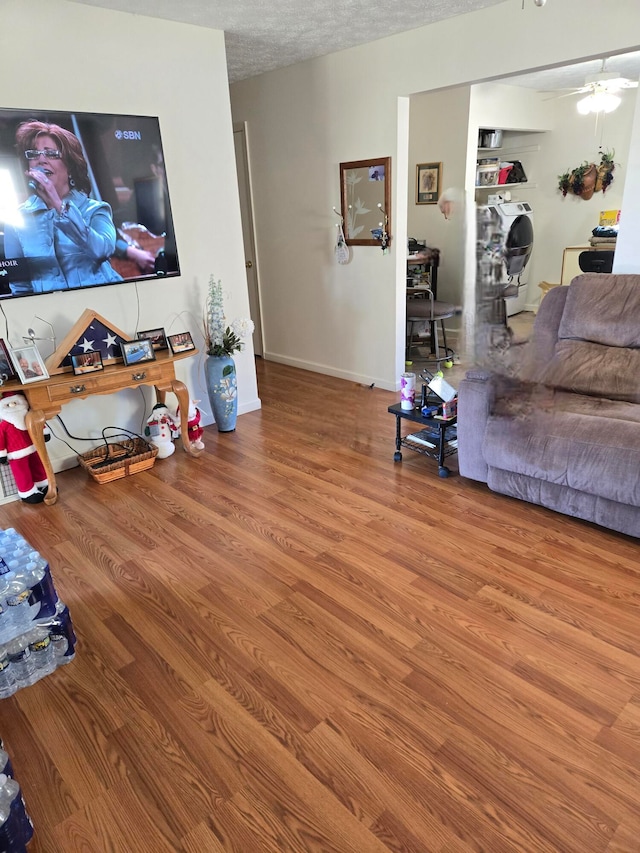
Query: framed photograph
{"x":428,"y":179}
{"x":156,"y":336}
{"x":7,"y":370}
{"x":182,"y":342}
{"x":28,"y":364}
{"x":86,"y":362}
{"x":136,"y":352}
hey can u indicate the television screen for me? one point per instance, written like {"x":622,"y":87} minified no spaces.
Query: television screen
{"x":84,"y":202}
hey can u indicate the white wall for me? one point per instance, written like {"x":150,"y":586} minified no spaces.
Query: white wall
{"x":307,"y":118}
{"x":432,"y":139}
{"x":627,"y":257}
{"x":569,"y":221}
{"x":60,"y":55}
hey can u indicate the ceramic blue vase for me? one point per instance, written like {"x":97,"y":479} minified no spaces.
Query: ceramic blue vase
{"x":222,"y":388}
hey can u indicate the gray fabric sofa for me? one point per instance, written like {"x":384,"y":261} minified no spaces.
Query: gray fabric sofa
{"x":565,"y":432}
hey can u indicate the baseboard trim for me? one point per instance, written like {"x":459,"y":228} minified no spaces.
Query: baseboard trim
{"x":314,"y":367}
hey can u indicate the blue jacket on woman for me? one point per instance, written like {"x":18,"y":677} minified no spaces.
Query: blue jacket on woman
{"x":65,"y":250}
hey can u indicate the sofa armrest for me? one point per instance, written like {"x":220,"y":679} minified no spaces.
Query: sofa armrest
{"x":475,"y":397}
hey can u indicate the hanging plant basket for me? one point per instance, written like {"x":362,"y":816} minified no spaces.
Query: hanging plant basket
{"x":589,"y":178}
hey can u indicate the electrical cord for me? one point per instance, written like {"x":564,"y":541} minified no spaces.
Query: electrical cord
{"x":6,"y":324}
{"x":135,"y":333}
{"x":120,"y":431}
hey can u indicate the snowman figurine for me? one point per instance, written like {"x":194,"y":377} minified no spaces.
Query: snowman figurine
{"x":161,"y":429}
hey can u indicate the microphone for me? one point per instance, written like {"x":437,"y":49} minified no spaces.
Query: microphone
{"x":32,"y":184}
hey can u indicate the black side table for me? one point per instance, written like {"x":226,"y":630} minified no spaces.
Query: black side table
{"x":437,"y":438}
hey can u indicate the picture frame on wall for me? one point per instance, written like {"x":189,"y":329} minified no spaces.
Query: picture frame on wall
{"x":428,"y":183}
{"x":29,"y":364}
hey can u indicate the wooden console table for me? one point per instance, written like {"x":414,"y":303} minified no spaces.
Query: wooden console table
{"x":47,"y":397}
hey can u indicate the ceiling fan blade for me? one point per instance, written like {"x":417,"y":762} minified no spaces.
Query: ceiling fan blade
{"x":554,"y":96}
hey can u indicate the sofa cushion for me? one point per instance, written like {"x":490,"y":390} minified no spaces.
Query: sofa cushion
{"x":588,"y":368}
{"x":590,"y":444}
{"x":617,"y":516}
{"x":606,"y":313}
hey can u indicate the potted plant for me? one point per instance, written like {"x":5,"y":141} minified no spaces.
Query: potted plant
{"x":588,"y":178}
{"x":222,"y":341}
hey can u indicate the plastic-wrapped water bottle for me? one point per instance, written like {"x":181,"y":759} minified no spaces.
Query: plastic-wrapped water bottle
{"x":21,"y":661}
{"x":5,"y":763}
{"x":18,"y":601}
{"x":9,"y":539}
{"x":8,"y":685}
{"x":43,"y":596}
{"x":63,"y":637}
{"x":16,"y":829}
{"x":42,"y":651}
{"x":6,"y":616}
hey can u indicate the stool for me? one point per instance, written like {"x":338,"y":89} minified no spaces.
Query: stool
{"x":433,"y":312}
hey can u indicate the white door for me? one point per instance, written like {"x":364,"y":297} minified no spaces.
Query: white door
{"x":246,"y":212}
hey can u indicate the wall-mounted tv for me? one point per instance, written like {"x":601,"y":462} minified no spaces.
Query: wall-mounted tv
{"x":84,"y":202}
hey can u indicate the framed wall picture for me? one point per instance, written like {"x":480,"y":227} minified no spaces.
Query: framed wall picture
{"x":182,"y":342}
{"x":86,"y":362}
{"x":428,"y":180}
{"x":156,"y":336}
{"x":28,"y":364}
{"x":137,"y":352}
{"x":365,"y":201}
{"x":7,"y":370}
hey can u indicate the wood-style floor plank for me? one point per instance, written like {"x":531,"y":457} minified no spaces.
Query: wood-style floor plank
{"x":292,"y":644}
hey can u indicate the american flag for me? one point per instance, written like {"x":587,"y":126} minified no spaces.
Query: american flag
{"x":97,"y":337}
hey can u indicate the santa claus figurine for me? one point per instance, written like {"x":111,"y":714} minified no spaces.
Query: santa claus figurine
{"x":194,"y":430}
{"x":16,"y":448}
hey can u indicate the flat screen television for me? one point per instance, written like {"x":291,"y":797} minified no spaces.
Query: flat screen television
{"x":84,"y":202}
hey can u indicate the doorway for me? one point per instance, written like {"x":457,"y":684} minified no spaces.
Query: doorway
{"x":248,"y":232}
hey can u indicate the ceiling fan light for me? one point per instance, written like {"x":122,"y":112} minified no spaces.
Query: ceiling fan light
{"x":598,"y":102}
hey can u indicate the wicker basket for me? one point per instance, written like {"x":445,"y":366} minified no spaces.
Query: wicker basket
{"x":114,"y":461}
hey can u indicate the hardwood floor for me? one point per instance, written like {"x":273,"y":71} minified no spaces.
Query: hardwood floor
{"x":294,"y":644}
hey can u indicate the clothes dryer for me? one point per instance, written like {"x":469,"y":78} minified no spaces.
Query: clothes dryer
{"x":516,"y":220}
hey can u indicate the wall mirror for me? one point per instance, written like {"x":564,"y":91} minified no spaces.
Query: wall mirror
{"x":365,"y":196}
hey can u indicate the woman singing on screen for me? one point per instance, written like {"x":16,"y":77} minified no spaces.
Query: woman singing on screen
{"x":66,"y":236}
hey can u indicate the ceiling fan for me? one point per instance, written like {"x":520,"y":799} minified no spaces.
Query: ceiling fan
{"x":601,"y":91}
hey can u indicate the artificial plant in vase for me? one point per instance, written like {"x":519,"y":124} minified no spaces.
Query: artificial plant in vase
{"x":588,"y":178}
{"x":222,"y":341}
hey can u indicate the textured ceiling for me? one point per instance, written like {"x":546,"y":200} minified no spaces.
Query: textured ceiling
{"x":574,"y":76}
{"x":262,"y":35}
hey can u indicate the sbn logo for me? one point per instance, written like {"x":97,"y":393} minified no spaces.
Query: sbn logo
{"x":128,"y":134}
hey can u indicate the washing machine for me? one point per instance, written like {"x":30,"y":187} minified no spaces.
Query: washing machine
{"x":516,"y":219}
